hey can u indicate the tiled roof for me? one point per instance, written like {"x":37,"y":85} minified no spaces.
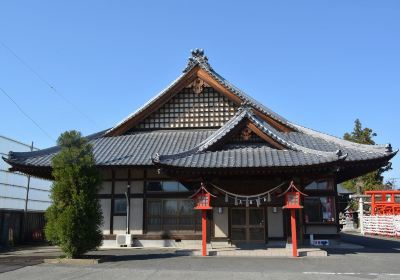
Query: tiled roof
{"x":258,"y":157}
{"x":194,"y":148}
{"x":139,"y":148}
{"x":293,"y":155}
{"x":134,"y":149}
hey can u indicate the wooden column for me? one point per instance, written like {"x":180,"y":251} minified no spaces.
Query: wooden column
{"x":204,"y":232}
{"x":128,"y":214}
{"x":144,"y":208}
{"x":294,"y":233}
{"x":112,"y":202}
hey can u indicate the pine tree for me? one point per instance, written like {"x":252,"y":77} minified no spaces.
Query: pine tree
{"x":372,"y":180}
{"x":74,"y":218}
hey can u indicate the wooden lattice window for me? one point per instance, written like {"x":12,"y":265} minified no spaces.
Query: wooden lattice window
{"x":190,"y":110}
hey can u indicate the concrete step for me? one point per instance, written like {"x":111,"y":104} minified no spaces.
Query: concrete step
{"x":270,"y":252}
{"x":221,"y":245}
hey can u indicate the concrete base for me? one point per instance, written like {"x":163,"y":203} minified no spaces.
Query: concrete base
{"x":269,"y":252}
{"x":74,"y":261}
{"x":164,"y":243}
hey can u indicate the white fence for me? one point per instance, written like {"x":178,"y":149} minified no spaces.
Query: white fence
{"x":386,"y":225}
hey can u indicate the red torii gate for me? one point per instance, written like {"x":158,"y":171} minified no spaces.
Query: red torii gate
{"x":385,"y":202}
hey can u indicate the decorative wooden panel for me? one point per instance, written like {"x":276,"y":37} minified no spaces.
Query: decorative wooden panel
{"x":190,"y":110}
{"x":245,"y":138}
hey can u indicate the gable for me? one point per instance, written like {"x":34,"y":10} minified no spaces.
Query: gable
{"x":196,"y":106}
{"x":179,"y":105}
{"x":245,"y":137}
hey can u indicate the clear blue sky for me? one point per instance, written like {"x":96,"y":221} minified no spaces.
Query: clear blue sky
{"x":321,"y":64}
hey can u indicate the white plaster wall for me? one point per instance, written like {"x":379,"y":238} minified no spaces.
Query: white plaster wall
{"x":275,"y":222}
{"x":105,"y":208}
{"x":136,"y":211}
{"x":136,"y":216}
{"x":105,"y":188}
{"x":120,"y":187}
{"x":137,"y":186}
{"x":221,"y":222}
{"x":119,"y":225}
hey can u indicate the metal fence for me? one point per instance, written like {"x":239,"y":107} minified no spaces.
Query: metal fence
{"x":18,"y":228}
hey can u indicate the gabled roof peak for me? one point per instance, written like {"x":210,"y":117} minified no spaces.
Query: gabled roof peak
{"x":197,"y":58}
{"x":245,"y":106}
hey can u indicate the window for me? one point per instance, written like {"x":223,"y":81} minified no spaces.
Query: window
{"x":120,"y":206}
{"x":172,"y":215}
{"x":322,"y":185}
{"x":165,"y":186}
{"x":319,"y":209}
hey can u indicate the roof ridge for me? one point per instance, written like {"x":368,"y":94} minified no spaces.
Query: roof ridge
{"x":197,"y":58}
{"x":336,"y":140}
{"x":270,"y":131}
{"x":245,"y":97}
{"x":283,"y":155}
{"x":53,"y":149}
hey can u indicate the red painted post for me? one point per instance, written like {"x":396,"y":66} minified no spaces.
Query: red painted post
{"x":204,"y":231}
{"x":373,"y":204}
{"x":294,"y":233}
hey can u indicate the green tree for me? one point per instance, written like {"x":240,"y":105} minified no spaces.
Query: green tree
{"x":372,"y":180}
{"x":74,"y":218}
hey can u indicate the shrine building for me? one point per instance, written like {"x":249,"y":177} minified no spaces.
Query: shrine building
{"x":201,"y":130}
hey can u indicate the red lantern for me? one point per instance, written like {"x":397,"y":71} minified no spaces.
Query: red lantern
{"x":292,"y":202}
{"x":202,"y":200}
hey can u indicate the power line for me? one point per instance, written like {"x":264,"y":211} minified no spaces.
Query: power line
{"x":47,"y":83}
{"x":25,"y":114}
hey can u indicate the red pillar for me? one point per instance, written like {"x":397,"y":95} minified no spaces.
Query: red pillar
{"x":372,"y":204}
{"x":204,"y":231}
{"x":294,"y":233}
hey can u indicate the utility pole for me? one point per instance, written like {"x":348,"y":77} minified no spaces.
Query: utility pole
{"x":24,"y":223}
{"x":27,"y":188}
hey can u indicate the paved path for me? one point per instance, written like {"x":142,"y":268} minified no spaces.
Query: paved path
{"x":25,"y":256}
{"x":380,"y":259}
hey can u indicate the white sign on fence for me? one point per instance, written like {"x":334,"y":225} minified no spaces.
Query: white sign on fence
{"x":386,"y":225}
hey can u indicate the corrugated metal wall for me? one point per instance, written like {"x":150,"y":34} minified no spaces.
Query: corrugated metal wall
{"x":14,"y":228}
{"x":13,"y":185}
